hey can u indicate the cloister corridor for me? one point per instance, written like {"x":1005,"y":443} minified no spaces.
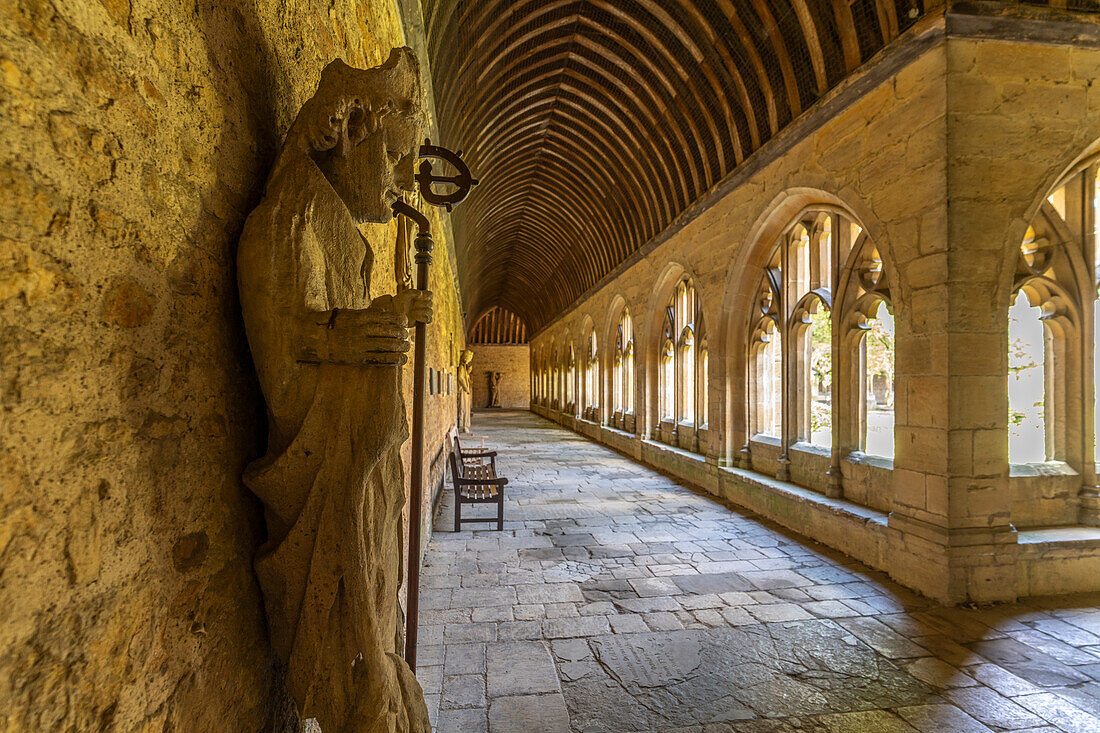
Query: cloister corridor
{"x":618,"y":600}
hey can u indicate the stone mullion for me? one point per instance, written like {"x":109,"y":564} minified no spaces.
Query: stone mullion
{"x":841,"y":360}
{"x":1089,"y":496}
{"x":848,"y":366}
{"x":783,"y":470}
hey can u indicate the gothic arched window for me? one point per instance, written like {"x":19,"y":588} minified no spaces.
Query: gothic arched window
{"x":821,"y":349}
{"x":1053,"y":306}
{"x":682,"y":359}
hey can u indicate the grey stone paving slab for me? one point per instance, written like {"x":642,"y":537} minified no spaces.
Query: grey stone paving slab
{"x":716,"y":583}
{"x":520,"y":668}
{"x":993,"y":709}
{"x":463,"y":691}
{"x":940,"y":719}
{"x":529,"y":713}
{"x":549,"y":593}
{"x":463,"y":721}
{"x":1028,"y":663}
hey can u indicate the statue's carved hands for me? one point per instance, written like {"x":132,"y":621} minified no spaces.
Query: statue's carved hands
{"x":415,"y":305}
{"x":375,"y":335}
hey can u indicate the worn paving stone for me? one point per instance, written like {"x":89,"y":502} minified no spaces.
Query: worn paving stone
{"x":464,"y":659}
{"x":573,"y":619}
{"x":941,"y":718}
{"x":549,"y":593}
{"x":993,"y":709}
{"x":470,"y":720}
{"x":520,"y":668}
{"x":529,"y":713}
{"x":463,"y":691}
{"x":1029,"y":663}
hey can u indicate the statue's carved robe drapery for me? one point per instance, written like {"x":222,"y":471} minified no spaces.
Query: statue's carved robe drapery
{"x":465,"y":395}
{"x":329,"y":360}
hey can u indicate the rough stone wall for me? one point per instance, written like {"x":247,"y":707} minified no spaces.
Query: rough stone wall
{"x":1017,"y":114}
{"x":134,"y":139}
{"x":514,"y":362}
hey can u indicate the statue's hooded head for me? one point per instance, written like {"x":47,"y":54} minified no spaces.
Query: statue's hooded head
{"x":363,"y":128}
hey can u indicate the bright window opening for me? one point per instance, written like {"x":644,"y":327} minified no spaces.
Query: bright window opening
{"x":1026,"y":383}
{"x":878,"y":392}
{"x":819,"y":389}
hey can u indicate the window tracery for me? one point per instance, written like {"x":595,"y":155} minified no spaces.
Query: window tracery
{"x":681,"y":378}
{"x":815,"y":380}
{"x":1052,"y":309}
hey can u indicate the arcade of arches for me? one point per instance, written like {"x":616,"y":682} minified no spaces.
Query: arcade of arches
{"x":878,"y":345}
{"x":812,"y":288}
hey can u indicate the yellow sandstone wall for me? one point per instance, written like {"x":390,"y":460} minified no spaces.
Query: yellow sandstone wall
{"x":514,"y":362}
{"x":134,"y":140}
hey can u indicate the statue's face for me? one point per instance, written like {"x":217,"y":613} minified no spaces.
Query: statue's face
{"x":377,"y":164}
{"x":373,"y":131}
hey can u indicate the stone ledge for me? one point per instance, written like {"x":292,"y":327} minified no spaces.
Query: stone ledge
{"x":1039,"y":541}
{"x":681,"y":463}
{"x":1054,"y":560}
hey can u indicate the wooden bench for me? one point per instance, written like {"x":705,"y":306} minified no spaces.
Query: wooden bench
{"x":476,"y":482}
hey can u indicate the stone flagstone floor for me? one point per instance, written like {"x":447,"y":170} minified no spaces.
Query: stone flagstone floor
{"x":617,"y":600}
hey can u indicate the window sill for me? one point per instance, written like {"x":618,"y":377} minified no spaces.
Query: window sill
{"x":811,"y":449}
{"x":1047,"y":468}
{"x":860,"y":458}
{"x":765,"y":439}
{"x":659,"y":446}
{"x":617,"y":431}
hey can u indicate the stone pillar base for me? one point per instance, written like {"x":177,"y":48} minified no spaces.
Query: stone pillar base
{"x":1089,"y":512}
{"x":783,"y":469}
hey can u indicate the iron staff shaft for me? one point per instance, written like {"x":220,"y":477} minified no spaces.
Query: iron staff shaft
{"x":423,"y":259}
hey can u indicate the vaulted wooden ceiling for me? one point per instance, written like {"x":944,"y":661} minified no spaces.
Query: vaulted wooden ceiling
{"x":593,"y":124}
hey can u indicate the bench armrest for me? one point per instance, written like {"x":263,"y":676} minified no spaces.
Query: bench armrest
{"x":478,"y":454}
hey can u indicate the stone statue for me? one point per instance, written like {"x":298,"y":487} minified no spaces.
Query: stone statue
{"x":494,"y":389}
{"x":465,"y":393}
{"x":329,"y":358}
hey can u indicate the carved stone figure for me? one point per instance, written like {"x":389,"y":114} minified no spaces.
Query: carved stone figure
{"x":329,"y":358}
{"x":494,"y":388}
{"x":465,"y":392}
